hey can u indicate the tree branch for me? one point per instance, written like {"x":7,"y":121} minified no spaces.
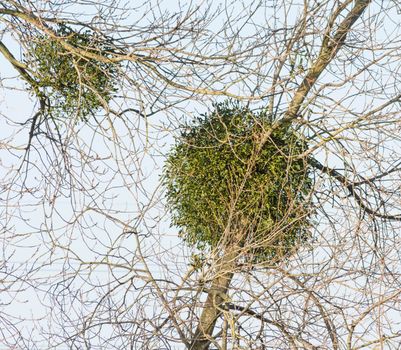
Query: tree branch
{"x":19,"y":66}
{"x":350,"y":186}
{"x":330,"y":47}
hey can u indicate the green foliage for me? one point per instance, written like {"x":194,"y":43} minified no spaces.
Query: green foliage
{"x":218,"y":179}
{"x":72,"y":85}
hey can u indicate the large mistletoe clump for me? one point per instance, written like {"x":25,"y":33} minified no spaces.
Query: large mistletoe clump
{"x":221,"y":177}
{"x":73,"y":83}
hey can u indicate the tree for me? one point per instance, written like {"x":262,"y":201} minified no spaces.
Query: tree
{"x":85,"y":204}
{"x":229,"y":194}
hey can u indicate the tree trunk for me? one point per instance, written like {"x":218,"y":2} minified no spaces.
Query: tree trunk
{"x":216,"y":297}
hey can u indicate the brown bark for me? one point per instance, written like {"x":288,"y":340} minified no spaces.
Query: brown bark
{"x":328,"y":51}
{"x":217,"y":295}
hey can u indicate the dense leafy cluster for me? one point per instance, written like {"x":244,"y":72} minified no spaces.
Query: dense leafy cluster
{"x":73,"y":85}
{"x":218,"y":179}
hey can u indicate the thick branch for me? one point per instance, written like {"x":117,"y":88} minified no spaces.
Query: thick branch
{"x":216,"y":297}
{"x":19,"y":66}
{"x":329,"y":49}
{"x":22,"y":70}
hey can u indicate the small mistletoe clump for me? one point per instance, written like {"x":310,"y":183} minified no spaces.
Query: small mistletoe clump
{"x":218,"y":179}
{"x":72,"y":84}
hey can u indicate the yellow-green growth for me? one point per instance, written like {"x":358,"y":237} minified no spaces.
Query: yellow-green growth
{"x":216,"y":178}
{"x":71,"y":84}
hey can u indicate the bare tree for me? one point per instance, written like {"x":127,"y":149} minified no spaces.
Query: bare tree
{"x":89,"y":258}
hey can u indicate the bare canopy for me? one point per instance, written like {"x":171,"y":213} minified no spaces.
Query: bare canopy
{"x":96,"y":95}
